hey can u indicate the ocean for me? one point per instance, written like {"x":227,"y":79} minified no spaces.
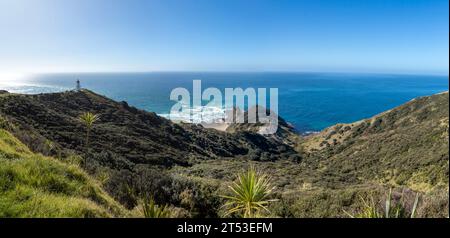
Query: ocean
{"x":309,"y":101}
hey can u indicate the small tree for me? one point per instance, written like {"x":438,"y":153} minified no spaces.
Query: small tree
{"x":250,"y":194}
{"x":88,"y":119}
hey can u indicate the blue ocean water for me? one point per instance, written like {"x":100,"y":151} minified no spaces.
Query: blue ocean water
{"x":309,"y":101}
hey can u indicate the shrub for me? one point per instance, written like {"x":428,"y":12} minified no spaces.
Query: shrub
{"x":392,"y":208}
{"x":250,"y":194}
{"x":151,"y":210}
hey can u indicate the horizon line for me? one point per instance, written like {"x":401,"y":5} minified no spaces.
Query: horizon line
{"x":239,"y":71}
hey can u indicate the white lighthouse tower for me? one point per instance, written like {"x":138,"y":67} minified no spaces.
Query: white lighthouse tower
{"x":78,"y":88}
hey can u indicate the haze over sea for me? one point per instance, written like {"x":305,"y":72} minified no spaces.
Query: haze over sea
{"x":309,"y":101}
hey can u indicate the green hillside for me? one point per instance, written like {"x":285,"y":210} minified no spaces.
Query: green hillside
{"x":405,"y":146}
{"x":32,"y":185}
{"x":187,"y":167}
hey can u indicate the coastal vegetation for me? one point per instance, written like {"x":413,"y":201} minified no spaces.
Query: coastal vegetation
{"x":32,"y":185}
{"x":391,"y":209}
{"x":88,"y":119}
{"x":143,"y":165}
{"x":249,"y":194}
{"x":151,"y":210}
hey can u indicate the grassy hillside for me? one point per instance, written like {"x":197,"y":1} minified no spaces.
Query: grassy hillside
{"x":32,"y":185}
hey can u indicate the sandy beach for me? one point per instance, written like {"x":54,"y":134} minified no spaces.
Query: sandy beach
{"x":217,"y":126}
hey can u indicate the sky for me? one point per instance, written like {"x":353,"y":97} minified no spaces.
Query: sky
{"x":382,"y":36}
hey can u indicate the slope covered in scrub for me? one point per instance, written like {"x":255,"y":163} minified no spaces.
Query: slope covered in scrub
{"x":185,"y":166}
{"x":124,"y":134}
{"x":406,"y":146}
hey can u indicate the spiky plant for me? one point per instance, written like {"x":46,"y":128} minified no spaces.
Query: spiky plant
{"x":88,"y":119}
{"x":49,"y":146}
{"x":369,"y":210}
{"x":151,"y":210}
{"x":398,"y":210}
{"x":391,"y":209}
{"x":249,"y":194}
{"x":4,"y":124}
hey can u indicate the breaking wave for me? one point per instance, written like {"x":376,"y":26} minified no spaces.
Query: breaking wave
{"x":202,"y":114}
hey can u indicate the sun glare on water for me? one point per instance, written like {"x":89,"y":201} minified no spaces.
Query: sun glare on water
{"x":11,"y":78}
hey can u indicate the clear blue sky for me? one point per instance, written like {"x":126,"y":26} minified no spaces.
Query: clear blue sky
{"x":405,"y":36}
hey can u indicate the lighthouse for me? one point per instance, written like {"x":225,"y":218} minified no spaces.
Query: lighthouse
{"x":78,"y":88}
